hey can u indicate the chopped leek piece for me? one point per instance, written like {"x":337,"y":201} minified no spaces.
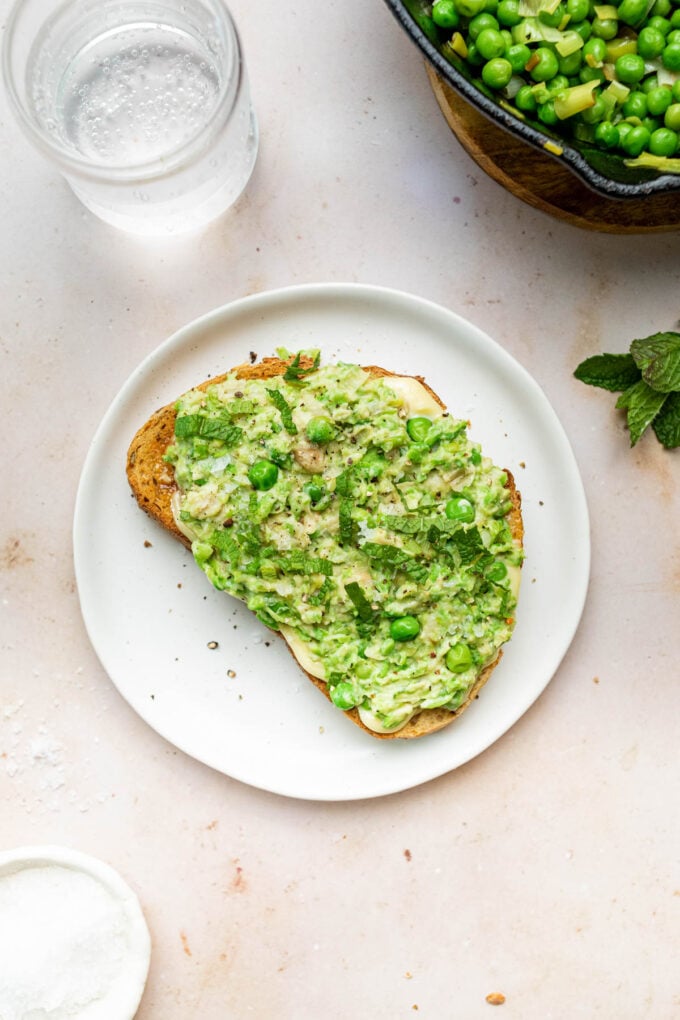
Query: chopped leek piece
{"x":618,"y":91}
{"x":532,"y":8}
{"x":607,"y":12}
{"x":667,"y":164}
{"x":458,"y":45}
{"x":569,"y":43}
{"x":617,"y":47}
{"x":575,"y":99}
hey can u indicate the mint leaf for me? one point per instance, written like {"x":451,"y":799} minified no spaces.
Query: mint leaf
{"x":295,"y":372}
{"x":346,"y":523}
{"x":613,"y":372}
{"x":666,"y":425}
{"x":361,"y":603}
{"x":469,"y":544}
{"x":298,"y":562}
{"x":658,"y":358}
{"x":390,"y":557}
{"x":643,"y":404}
{"x":207,"y":428}
{"x":283,"y":407}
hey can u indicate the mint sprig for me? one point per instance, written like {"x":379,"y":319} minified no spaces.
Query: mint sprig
{"x":648,"y":379}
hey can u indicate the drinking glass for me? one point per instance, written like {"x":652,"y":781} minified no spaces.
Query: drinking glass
{"x":144,"y":105}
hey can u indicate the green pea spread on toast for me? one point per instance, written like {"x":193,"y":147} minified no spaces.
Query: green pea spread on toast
{"x":352,"y":514}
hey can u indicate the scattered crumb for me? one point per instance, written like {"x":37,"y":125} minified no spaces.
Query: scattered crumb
{"x":213,"y":825}
{"x":231,"y":673}
{"x":322,"y":729}
{"x":153,"y":697}
{"x":185,"y":943}
{"x":415,"y":1007}
{"x":596,"y":679}
{"x":267,"y":644}
{"x":522,"y":464}
{"x":408,"y":975}
{"x":495,"y":999}
{"x":179,"y":584}
{"x":212,"y":645}
{"x":147,"y":543}
{"x":408,"y":855}
{"x":253,"y":357}
{"x":541,"y":503}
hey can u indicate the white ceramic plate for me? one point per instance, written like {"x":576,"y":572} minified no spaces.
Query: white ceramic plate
{"x":245,"y":708}
{"x":77,"y":940}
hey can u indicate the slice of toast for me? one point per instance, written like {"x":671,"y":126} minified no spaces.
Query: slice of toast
{"x":153,"y":485}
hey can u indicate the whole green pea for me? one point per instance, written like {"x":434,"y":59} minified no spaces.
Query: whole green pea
{"x":553,"y":18}
{"x":479,"y":23}
{"x":671,"y":117}
{"x":631,"y":12}
{"x":595,"y":113}
{"x":662,"y":25}
{"x":670,"y":57}
{"x":570,"y":64}
{"x":607,"y":134}
{"x":630,"y":68}
{"x":636,"y":140}
{"x":263,"y":474}
{"x":508,"y":14}
{"x":650,"y":42}
{"x":635,"y":105}
{"x":525,"y":99}
{"x":596,"y":50}
{"x":343,"y":695}
{"x":417,"y":428}
{"x":468,"y":8}
{"x":517,"y":55}
{"x":497,"y":571}
{"x":490,"y":44}
{"x":319,"y":430}
{"x":577,"y":10}
{"x":546,"y":66}
{"x":546,"y":113}
{"x":404,"y":628}
{"x":460,"y":508}
{"x":663,"y":142}
{"x":648,"y":84}
{"x":658,"y":100}
{"x":605,"y":28}
{"x":474,"y":57}
{"x":497,"y":73}
{"x":458,"y":658}
{"x":315,"y":491}
{"x":624,"y":128}
{"x":444,"y":14}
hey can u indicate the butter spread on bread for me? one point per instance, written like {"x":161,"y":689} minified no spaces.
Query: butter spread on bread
{"x":350,"y":512}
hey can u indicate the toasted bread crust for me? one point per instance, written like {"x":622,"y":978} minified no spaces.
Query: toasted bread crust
{"x":153,"y":485}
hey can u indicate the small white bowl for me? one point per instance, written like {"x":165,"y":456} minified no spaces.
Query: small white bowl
{"x":73,"y":939}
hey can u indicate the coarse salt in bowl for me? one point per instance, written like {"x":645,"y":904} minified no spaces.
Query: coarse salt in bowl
{"x":74,"y":944}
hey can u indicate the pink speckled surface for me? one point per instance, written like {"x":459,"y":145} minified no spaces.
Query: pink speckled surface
{"x":546,"y":869}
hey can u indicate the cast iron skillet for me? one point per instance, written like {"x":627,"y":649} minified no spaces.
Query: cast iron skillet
{"x":602,"y":171}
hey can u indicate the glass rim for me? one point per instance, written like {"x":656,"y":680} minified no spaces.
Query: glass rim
{"x":159,"y":166}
